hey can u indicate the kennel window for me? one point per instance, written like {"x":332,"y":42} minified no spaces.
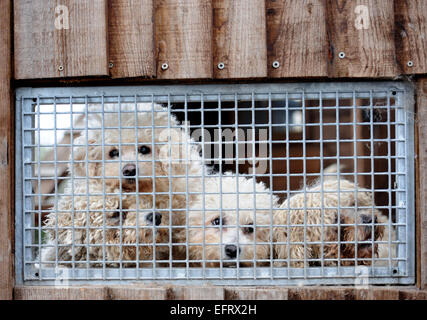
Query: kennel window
{"x":263,"y":184}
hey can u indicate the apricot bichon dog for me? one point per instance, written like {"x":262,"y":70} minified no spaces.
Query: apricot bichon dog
{"x":323,"y":223}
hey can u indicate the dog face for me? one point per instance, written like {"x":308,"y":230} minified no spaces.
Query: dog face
{"x":152,"y":232}
{"x":128,"y":159}
{"x":340,"y":229}
{"x":361,"y":227}
{"x":133,"y":148}
{"x":239,"y":232}
{"x":230,"y":239}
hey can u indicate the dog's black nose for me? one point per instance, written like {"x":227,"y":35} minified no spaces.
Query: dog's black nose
{"x":129,"y":170}
{"x":156,"y":217}
{"x":366,"y":218}
{"x":231,"y":251}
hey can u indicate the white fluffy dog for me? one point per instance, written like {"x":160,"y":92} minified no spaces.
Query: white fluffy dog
{"x":129,"y":163}
{"x":230,"y":222}
{"x":238,"y":220}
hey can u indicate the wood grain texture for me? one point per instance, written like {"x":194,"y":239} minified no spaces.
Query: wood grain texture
{"x":412,"y":295}
{"x":297,"y":38}
{"x":141,"y":292}
{"x":6,"y":155}
{"x":136,"y":292}
{"x":374,"y":293}
{"x":195,"y":293}
{"x":368,"y":52}
{"x":58,"y":293}
{"x":240,"y":38}
{"x":131,"y":38}
{"x":320,"y":293}
{"x":242,"y":293}
{"x":422,"y":174}
{"x":411,"y":35}
{"x":42,"y":46}
{"x":183,"y":33}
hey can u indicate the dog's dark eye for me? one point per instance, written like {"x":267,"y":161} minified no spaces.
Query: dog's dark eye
{"x":114,"y":153}
{"x":144,"y":150}
{"x":216,"y":221}
{"x":115,"y":215}
{"x":248,"y":230}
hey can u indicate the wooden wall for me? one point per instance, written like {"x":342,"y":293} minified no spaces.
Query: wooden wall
{"x":6,"y":154}
{"x":188,"y":39}
{"x":168,"y":292}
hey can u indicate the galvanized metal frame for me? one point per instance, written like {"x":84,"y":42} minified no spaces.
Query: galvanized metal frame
{"x":403,"y":92}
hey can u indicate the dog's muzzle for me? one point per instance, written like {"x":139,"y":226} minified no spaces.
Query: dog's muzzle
{"x":231,"y":251}
{"x":129,"y":172}
{"x":153,"y":217}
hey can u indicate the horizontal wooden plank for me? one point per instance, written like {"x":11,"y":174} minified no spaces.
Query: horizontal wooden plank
{"x":377,"y":293}
{"x":169,"y":292}
{"x":240,"y":43}
{"x":61,"y":293}
{"x":320,"y":293}
{"x":195,"y":293}
{"x":412,"y":294}
{"x":361,"y":38}
{"x":183,"y":32}
{"x":131,"y":38}
{"x":245,"y":293}
{"x":137,"y":292}
{"x":411,"y":35}
{"x":6,"y":155}
{"x":66,"y":38}
{"x":296,"y":38}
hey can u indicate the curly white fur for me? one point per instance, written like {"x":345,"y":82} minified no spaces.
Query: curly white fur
{"x":233,"y":211}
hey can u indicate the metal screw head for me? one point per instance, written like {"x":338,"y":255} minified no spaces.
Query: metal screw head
{"x":221,"y":65}
{"x":165,"y":66}
{"x":341,"y":55}
{"x":276,"y":64}
{"x":111,"y":65}
{"x":410,"y":64}
{"x":61,"y":68}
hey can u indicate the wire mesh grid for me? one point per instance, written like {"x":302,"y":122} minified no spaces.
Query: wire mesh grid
{"x":246,"y":184}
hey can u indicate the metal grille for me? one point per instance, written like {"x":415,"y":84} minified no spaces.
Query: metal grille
{"x":264,"y":184}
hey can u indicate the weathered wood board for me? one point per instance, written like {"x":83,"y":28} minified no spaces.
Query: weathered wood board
{"x":361,"y":38}
{"x":131,"y":38}
{"x":240,"y":43}
{"x":66,"y":38}
{"x":296,"y":38}
{"x":411,"y":35}
{"x":6,"y":155}
{"x":183,"y":33}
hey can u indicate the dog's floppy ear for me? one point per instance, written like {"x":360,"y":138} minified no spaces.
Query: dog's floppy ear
{"x":84,"y":144}
{"x":83,"y":153}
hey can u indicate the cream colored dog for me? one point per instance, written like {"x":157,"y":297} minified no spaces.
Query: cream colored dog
{"x":90,"y":230}
{"x":246,"y":224}
{"x":230,"y":222}
{"x":303,"y":226}
{"x":130,"y":163}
